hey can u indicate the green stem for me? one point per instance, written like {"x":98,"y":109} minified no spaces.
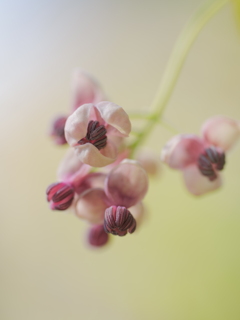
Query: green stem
{"x":176,"y":62}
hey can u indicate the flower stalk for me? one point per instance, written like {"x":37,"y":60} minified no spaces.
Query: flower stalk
{"x":175,"y":64}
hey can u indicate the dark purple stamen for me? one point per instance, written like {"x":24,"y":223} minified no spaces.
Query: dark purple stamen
{"x":119,"y":221}
{"x":96,"y":135}
{"x":211,"y":160}
{"x":60,"y":195}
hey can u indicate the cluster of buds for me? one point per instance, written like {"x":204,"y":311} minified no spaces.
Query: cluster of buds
{"x":98,"y":182}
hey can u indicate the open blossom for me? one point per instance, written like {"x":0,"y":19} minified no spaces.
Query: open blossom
{"x":124,"y":188}
{"x":85,"y":89}
{"x":201,"y":159}
{"x":91,"y":130}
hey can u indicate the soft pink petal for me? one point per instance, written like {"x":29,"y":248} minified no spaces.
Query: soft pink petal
{"x":149,"y":161}
{"x":89,"y":154}
{"x":85,"y":89}
{"x":221,"y":132}
{"x":69,"y":165}
{"x":77,"y":123}
{"x":91,"y":206}
{"x":115,"y":116}
{"x":126,"y":184}
{"x":198,"y":184}
{"x":182,"y":150}
{"x":90,"y":181}
{"x":138,"y":212}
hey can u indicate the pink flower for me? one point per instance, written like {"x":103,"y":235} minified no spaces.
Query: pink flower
{"x":124,"y":187}
{"x":85,"y":89}
{"x":91,"y":130}
{"x":201,"y":159}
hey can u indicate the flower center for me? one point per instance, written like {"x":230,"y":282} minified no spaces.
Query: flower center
{"x":210,"y":161}
{"x":96,"y":135}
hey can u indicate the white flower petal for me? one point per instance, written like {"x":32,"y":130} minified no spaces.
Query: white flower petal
{"x":115,"y":116}
{"x":198,"y":184}
{"x":221,"y":132}
{"x":89,"y":154}
{"x":69,"y":165}
{"x":77,"y":123}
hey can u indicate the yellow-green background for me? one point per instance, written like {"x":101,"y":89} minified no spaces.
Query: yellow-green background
{"x":183,"y":264}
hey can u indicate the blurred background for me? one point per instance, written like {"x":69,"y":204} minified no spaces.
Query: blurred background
{"x":183,"y":263}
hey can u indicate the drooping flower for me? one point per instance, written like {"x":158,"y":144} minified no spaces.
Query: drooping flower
{"x":201,"y":159}
{"x":124,"y":187}
{"x":85,"y":89}
{"x":91,"y":130}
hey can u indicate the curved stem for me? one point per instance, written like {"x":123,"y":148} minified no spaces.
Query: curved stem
{"x":176,"y":62}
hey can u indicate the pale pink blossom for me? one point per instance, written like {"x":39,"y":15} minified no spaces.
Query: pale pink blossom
{"x":91,"y":130}
{"x":201,"y":159}
{"x":85,"y":89}
{"x":125,"y":186}
{"x":149,"y":161}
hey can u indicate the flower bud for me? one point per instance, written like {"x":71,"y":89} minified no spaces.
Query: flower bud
{"x":97,"y":237}
{"x":119,"y":221}
{"x":57,"y":130}
{"x":60,"y":195}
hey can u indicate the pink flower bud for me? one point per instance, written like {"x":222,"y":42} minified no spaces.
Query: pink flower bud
{"x":91,"y":205}
{"x":57,"y":130}
{"x":126,"y":184}
{"x":149,"y":161}
{"x":85,"y":89}
{"x":97,"y":237}
{"x":60,"y":195}
{"x":119,"y":221}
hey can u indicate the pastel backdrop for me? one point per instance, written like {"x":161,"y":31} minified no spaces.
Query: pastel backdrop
{"x":183,"y":263}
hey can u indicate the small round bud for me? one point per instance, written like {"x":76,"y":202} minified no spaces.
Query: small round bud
{"x":97,"y":237}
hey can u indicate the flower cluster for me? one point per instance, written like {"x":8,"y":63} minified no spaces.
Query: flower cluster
{"x":98,"y":182}
{"x":110,"y":200}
